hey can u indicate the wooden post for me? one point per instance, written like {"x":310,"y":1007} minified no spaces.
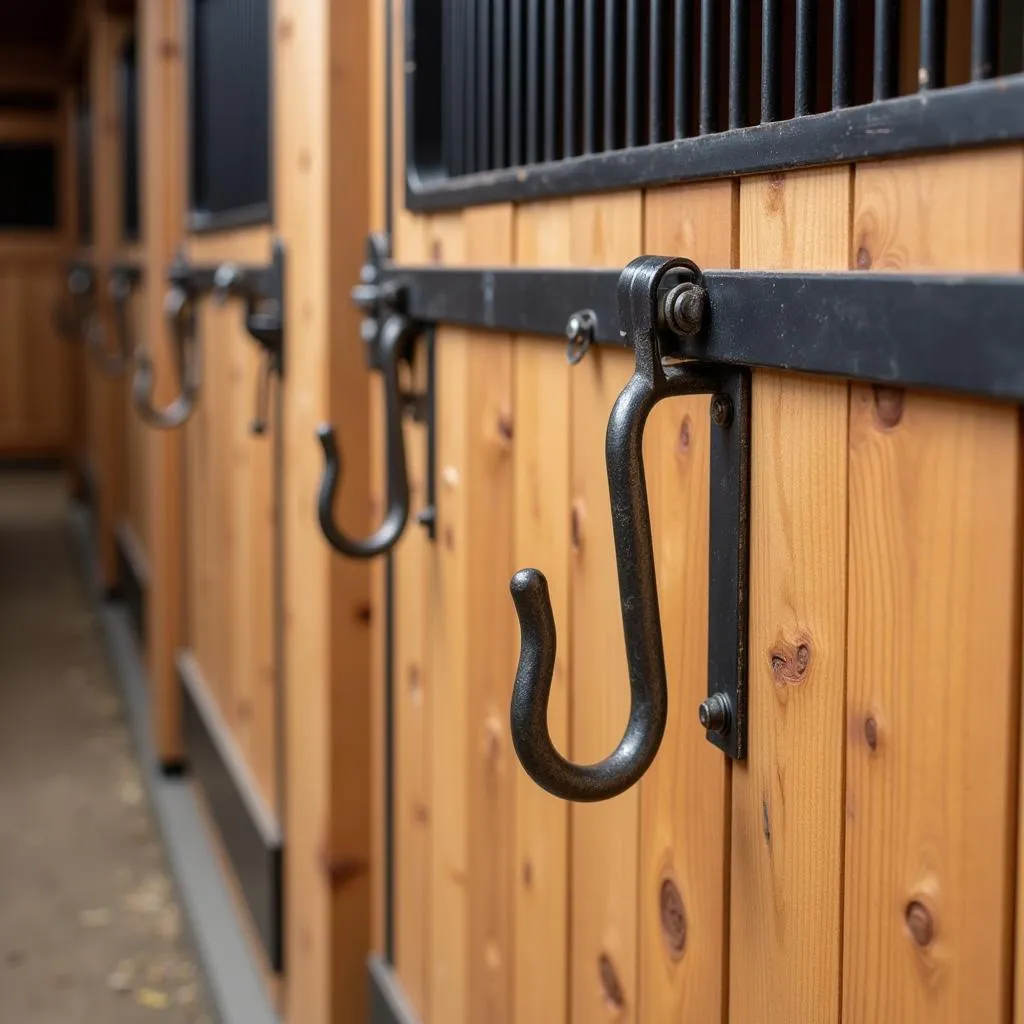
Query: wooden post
{"x":162,"y":205}
{"x":321,"y":123}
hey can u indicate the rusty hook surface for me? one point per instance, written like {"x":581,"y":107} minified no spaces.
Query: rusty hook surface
{"x":397,"y":335}
{"x":652,"y":381}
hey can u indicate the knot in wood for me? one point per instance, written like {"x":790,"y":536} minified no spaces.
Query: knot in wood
{"x":888,"y":406}
{"x":610,"y":984}
{"x":920,"y":923}
{"x":790,"y":662}
{"x":673,"y":918}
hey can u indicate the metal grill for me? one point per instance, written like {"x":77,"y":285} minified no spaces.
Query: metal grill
{"x":230,"y":112}
{"x":128,"y":81}
{"x":515,"y":85}
{"x":28,"y":186}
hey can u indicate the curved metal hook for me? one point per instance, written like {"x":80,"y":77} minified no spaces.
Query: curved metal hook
{"x":178,"y":308}
{"x":634,"y":553}
{"x":396,"y":336}
{"x":112,"y":364}
{"x":71,"y":313}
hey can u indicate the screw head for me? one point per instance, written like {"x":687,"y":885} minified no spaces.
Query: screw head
{"x":721,"y":410}
{"x":716,"y":714}
{"x":579,"y":330}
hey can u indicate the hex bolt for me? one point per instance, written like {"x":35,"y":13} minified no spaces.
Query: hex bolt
{"x":683,"y":307}
{"x":721,"y":410}
{"x":716,"y":714}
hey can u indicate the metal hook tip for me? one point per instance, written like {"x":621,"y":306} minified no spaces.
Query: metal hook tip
{"x":528,"y":585}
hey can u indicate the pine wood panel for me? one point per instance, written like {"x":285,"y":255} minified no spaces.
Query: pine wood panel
{"x":606,"y":231}
{"x":542,"y":538}
{"x":787,"y":808}
{"x":34,"y":361}
{"x":321,"y":204}
{"x":472,"y":647}
{"x":934,"y":617}
{"x":162,"y":204}
{"x":684,"y":808}
{"x":229,"y":532}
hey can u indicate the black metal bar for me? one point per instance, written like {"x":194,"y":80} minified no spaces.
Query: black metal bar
{"x":499,"y":114}
{"x":533,"y":127}
{"x":611,"y":76}
{"x":806,"y":71}
{"x":633,"y":73}
{"x":739,"y":62}
{"x":905,"y":330}
{"x":388,"y":1002}
{"x":515,"y":82}
{"x":570,"y":110}
{"x":842,"y":54}
{"x":887,"y":49}
{"x":470,"y":97}
{"x":456,"y":86}
{"x":550,"y":80}
{"x":771,"y":60}
{"x":589,"y":76}
{"x":931,"y":72}
{"x":708,"y":67}
{"x":483,"y":99}
{"x":958,"y":117}
{"x":984,"y":39}
{"x":656,"y":74}
{"x":684,"y":59}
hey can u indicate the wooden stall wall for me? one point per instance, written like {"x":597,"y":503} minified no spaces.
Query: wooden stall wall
{"x":860,"y":864}
{"x":35,"y":364}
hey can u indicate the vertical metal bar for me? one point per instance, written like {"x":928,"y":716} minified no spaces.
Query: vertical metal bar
{"x":887,"y":49}
{"x":447,"y":161}
{"x":499,"y":116}
{"x":805,"y":89}
{"x":550,"y":79}
{"x":684,"y":54}
{"x":532,"y":81}
{"x":611,"y":74}
{"x":632,"y":74}
{"x":457,"y":85}
{"x":842,"y":53}
{"x":469,"y":57}
{"x":483,"y":101}
{"x":739,"y":61}
{"x":771,"y":60}
{"x":589,"y":76}
{"x":984,"y":39}
{"x":570,"y":110}
{"x":656,"y":80}
{"x":515,"y":83}
{"x":708,"y":66}
{"x":931,"y":71}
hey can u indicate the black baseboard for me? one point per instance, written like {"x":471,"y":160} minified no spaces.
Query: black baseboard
{"x":388,"y":1004}
{"x":251,"y":839}
{"x":132,"y":580}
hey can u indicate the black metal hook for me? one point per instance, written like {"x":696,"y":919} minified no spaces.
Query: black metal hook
{"x":119,"y":290}
{"x":644,"y":307}
{"x":178,"y":307}
{"x":396,"y":338}
{"x":72,"y":312}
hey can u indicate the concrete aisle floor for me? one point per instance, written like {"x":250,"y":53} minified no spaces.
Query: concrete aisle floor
{"x":90,"y":930}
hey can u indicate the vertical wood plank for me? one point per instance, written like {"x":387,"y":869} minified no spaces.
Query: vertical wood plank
{"x":472,"y":778}
{"x":606,"y":231}
{"x":787,"y":811}
{"x":934,"y":628}
{"x":542,"y":538}
{"x":321,"y":201}
{"x":685,"y":795}
{"x":162,"y":88}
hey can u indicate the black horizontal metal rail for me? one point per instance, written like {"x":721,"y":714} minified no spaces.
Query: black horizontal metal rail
{"x":977,"y":114}
{"x":947,"y":332}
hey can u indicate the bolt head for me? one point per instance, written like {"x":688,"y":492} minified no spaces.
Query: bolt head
{"x":716,"y":714}
{"x":721,"y":410}
{"x":574,"y":328}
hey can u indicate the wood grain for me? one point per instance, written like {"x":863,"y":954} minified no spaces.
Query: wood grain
{"x":787,"y":810}
{"x":934,"y":620}
{"x":684,"y":808}
{"x":543,"y":539}
{"x":606,"y":231}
